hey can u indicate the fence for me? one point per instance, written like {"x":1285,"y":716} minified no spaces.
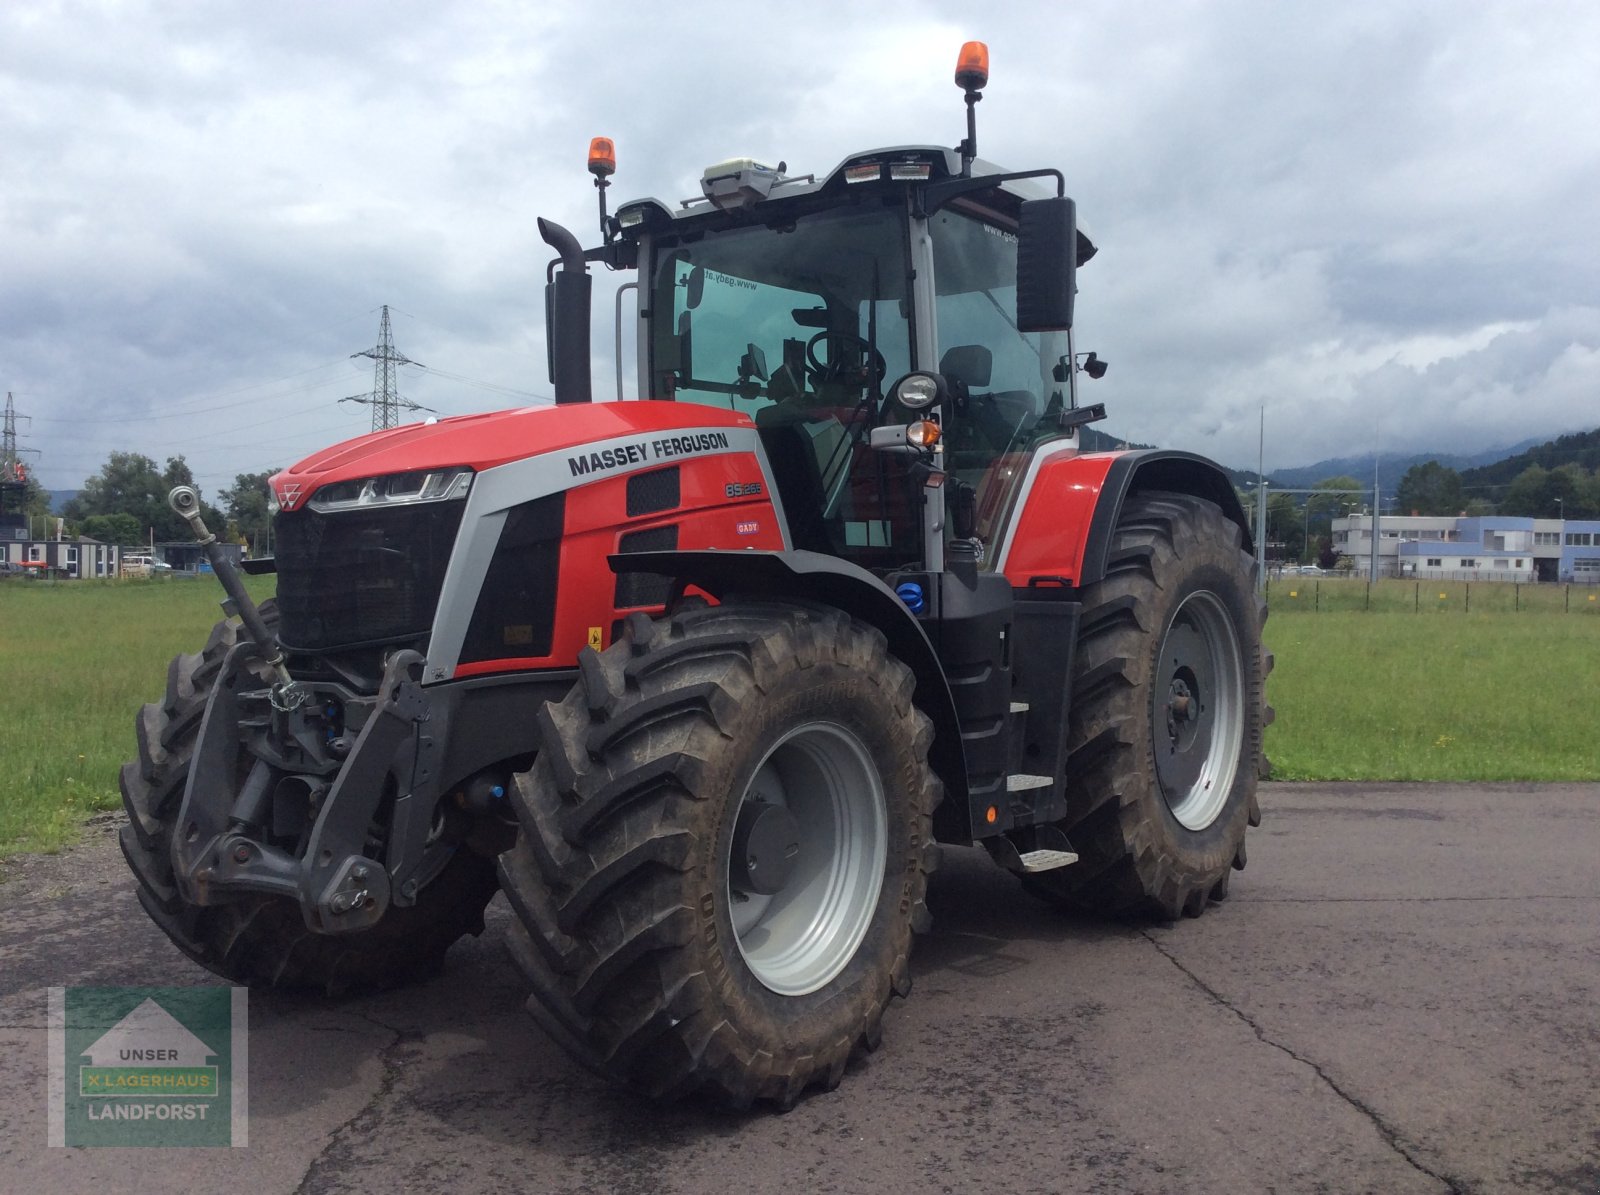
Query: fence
{"x":1287,"y":595}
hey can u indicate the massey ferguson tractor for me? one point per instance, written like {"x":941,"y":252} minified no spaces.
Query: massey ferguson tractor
{"x":702,"y":680}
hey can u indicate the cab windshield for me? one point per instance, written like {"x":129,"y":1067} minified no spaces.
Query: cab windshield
{"x":803,"y":325}
{"x":800,"y":325}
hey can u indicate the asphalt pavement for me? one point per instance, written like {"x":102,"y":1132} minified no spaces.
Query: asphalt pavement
{"x":1399,"y":996}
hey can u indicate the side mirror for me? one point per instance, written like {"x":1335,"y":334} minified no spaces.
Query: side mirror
{"x":1047,"y":256}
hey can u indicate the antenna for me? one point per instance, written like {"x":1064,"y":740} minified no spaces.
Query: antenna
{"x":385,"y":399}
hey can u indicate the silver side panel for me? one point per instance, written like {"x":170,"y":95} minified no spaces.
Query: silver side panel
{"x":772,"y":493}
{"x":925,"y":303}
{"x":641,"y":321}
{"x":496,"y":491}
{"x":1054,"y":450}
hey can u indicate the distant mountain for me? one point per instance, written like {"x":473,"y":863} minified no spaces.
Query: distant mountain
{"x":1095,"y":440}
{"x":1580,"y":448}
{"x":1391,"y":466}
{"x":60,"y":498}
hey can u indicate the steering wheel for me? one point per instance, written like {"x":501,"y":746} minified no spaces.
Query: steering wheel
{"x":835,"y":369}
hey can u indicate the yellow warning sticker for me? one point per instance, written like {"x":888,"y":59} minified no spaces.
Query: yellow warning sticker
{"x":594,"y":638}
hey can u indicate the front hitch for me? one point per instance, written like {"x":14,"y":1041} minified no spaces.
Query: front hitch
{"x":220,"y":853}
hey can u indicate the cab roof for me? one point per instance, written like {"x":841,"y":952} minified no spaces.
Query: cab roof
{"x":768,"y":190}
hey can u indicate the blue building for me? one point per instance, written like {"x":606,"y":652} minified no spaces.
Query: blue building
{"x":1480,"y":548}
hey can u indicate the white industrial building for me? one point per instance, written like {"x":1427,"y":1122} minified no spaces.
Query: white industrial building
{"x":1479,"y":548}
{"x":66,"y":558}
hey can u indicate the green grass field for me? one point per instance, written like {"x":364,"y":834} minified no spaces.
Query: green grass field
{"x":1479,"y":696}
{"x":1474,"y":697}
{"x":80,"y":658}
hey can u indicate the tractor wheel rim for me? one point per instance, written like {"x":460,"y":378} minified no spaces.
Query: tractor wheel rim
{"x":799,"y":938}
{"x":1197,"y":710}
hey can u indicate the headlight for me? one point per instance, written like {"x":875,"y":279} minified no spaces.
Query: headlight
{"x":396,"y":488}
{"x":918,"y":390}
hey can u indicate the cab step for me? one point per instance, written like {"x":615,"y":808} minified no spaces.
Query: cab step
{"x":1048,"y":849}
{"x":1019,"y":782}
{"x":1033,"y":861}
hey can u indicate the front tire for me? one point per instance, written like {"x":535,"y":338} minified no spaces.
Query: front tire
{"x":726,"y":846}
{"x":263,"y":940}
{"x":1164,"y":736}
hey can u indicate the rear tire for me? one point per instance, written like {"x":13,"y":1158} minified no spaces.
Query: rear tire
{"x":1164,"y":736}
{"x":262,"y":940}
{"x":661,"y":955}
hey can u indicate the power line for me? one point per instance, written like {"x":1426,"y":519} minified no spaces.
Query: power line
{"x":185,"y":413}
{"x":493,"y":386}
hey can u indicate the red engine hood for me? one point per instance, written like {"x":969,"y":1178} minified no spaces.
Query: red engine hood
{"x":484,"y":441}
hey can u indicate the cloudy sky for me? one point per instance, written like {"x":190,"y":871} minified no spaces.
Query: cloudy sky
{"x":1378,"y":221}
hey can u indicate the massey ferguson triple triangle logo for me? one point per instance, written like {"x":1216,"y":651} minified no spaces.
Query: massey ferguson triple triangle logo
{"x":288,"y":494}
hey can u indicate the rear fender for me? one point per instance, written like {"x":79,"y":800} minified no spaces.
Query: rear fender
{"x":1061,"y":535}
{"x":812,"y":576}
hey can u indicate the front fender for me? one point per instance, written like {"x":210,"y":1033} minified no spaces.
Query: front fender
{"x":1062,"y":532}
{"x":813,"y":576}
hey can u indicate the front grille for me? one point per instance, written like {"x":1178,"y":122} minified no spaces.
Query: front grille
{"x":363,"y":576}
{"x":515,"y":614}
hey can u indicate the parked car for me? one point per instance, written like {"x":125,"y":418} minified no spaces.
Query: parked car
{"x":144,"y":566}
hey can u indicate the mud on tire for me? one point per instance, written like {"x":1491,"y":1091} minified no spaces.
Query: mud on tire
{"x":1164,"y":737}
{"x":654,"y":958}
{"x":264,"y":940}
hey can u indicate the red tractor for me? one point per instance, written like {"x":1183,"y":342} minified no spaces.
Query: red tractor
{"x":703,"y":682}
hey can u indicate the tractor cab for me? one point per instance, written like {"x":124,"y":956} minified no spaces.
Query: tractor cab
{"x":835,"y":313}
{"x":898,"y":330}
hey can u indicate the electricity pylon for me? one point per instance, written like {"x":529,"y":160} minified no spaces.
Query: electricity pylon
{"x":385,"y":399}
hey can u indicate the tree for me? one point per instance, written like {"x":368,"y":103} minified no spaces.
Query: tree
{"x":36,"y":501}
{"x":1575,"y":486}
{"x":1330,"y":506}
{"x":246,"y":505}
{"x":1530,"y":494}
{"x":1430,"y":489}
{"x":113,"y":529}
{"x":130,"y":484}
{"x":1284,"y":526}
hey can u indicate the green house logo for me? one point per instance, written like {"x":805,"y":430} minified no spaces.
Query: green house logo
{"x":148,"y":1066}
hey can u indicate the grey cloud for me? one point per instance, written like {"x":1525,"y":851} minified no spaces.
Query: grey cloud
{"x":1326,"y":211}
